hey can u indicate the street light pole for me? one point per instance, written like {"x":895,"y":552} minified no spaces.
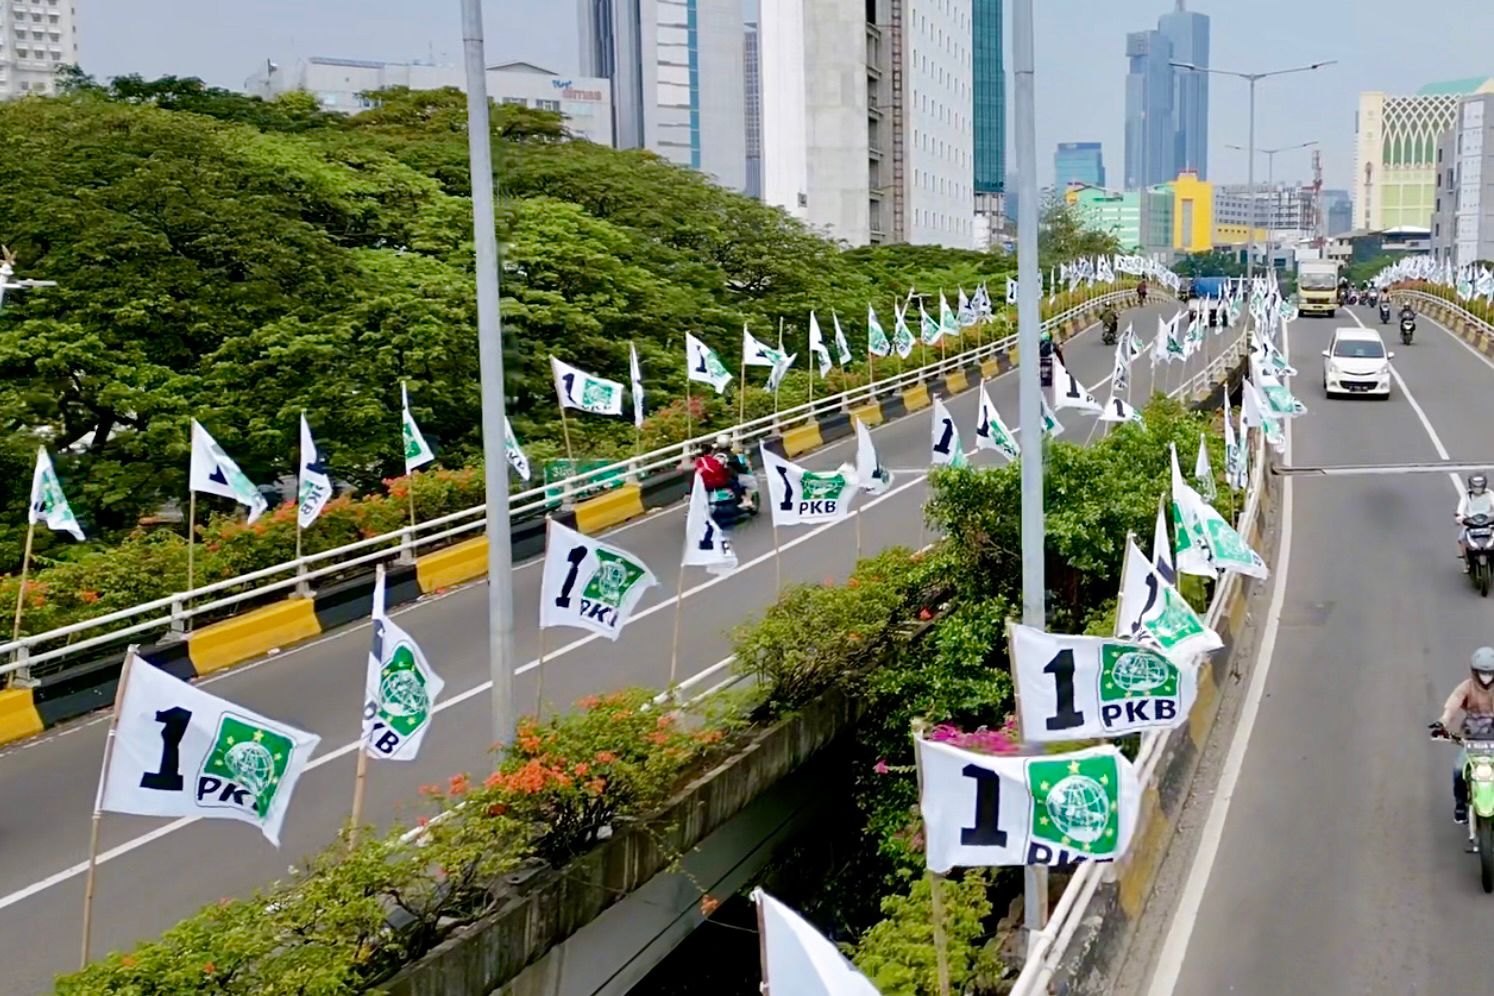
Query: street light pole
{"x":490,"y":377}
{"x":1270,"y":155}
{"x":1035,"y":878}
{"x":1252,"y":79}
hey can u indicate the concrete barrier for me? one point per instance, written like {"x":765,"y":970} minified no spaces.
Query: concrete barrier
{"x":453,"y":565}
{"x":606,"y":510}
{"x":18,"y":715}
{"x":801,"y":439}
{"x":869,"y":415}
{"x":989,"y":368}
{"x":251,"y":634}
{"x":916,"y":398}
{"x":957,"y":382}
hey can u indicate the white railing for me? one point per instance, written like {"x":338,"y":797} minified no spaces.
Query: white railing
{"x":170,"y":614}
{"x":1048,"y":946}
{"x":1452,"y":305}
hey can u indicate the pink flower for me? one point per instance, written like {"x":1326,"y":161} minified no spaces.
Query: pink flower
{"x":881,"y":767}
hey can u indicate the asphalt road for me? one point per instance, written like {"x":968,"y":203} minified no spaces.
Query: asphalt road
{"x":154,"y":872}
{"x":1338,"y":868}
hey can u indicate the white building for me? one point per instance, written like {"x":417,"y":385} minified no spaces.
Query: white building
{"x":938,"y":139}
{"x":341,"y":84}
{"x":675,"y":69}
{"x":37,"y":37}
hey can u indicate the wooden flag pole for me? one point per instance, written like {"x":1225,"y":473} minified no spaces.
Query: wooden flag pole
{"x":936,"y":882}
{"x":742,"y":390}
{"x":777,"y":562}
{"x":15,"y":629}
{"x":762,"y":942}
{"x":191,"y":546}
{"x":360,"y":785}
{"x":674,"y":651}
{"x":565,"y":428}
{"x":858,"y":533}
{"x":539,"y":687}
{"x":410,"y":492}
{"x":778,"y":381}
{"x":689,"y":421}
{"x":98,"y":806}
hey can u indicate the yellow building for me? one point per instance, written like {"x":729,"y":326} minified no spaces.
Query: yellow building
{"x":1236,"y":235}
{"x":1192,"y":213}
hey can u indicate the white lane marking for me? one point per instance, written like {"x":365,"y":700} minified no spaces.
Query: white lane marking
{"x":1175,"y":948}
{"x":136,"y":843}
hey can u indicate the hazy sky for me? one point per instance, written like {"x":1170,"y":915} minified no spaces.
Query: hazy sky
{"x":1387,"y":45}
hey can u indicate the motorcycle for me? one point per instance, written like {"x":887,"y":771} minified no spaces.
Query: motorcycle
{"x":1478,"y":543}
{"x":1408,"y":329}
{"x":1372,"y":298}
{"x":726,"y":508}
{"x":1384,"y":312}
{"x":1110,"y":332}
{"x":1478,"y":775}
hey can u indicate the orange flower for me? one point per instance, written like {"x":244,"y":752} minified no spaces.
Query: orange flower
{"x":710,"y":736}
{"x":606,"y":757}
{"x":589,"y":702}
{"x":498,"y":809}
{"x":88,"y":597}
{"x":529,"y":744}
{"x":430,"y":790}
{"x":665,"y":722}
{"x":208,"y":968}
{"x":493,"y":781}
{"x":709,"y":904}
{"x":582,"y":768}
{"x":128,"y":961}
{"x":657,"y":737}
{"x":596,"y":786}
{"x":459,"y":784}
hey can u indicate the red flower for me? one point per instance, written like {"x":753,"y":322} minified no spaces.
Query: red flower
{"x":605,"y":757}
{"x":498,"y":809}
{"x":582,"y":768}
{"x":459,"y":784}
{"x":925,"y":615}
{"x":881,"y":767}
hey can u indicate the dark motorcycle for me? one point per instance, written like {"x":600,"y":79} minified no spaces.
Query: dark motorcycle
{"x":1408,"y":329}
{"x":1384,"y":313}
{"x":1372,"y":298}
{"x":1478,"y":542}
{"x":726,"y":508}
{"x":1110,"y":331}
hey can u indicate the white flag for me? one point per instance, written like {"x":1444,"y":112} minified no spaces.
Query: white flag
{"x":1120,"y":374}
{"x":1092,"y":687}
{"x":1189,"y":545}
{"x":817,"y":344}
{"x":515,"y":454}
{"x":1152,"y":612}
{"x":1225,"y":547}
{"x":1068,"y":392}
{"x":1162,"y":551}
{"x":1236,"y":471}
{"x":1055,"y":809}
{"x":1118,"y":409}
{"x":877,"y":343}
{"x":1253,"y":414}
{"x":703,"y":365}
{"x":755,"y":354}
{"x":871,"y":476}
{"x":1203,"y":473}
{"x":589,"y":584}
{"x":418,"y":452}
{"x":1052,"y":428}
{"x":213,"y":472}
{"x":400,"y":689}
{"x":798,"y":961}
{"x":48,"y":503}
{"x":947,"y":450}
{"x":179,"y":751}
{"x":780,"y":368}
{"x":313,"y":485}
{"x":804,"y":497}
{"x":1280,"y":403}
{"x":842,"y":351}
{"x":575,"y":388}
{"x":635,"y":374}
{"x":991,"y":432}
{"x":706,"y":544}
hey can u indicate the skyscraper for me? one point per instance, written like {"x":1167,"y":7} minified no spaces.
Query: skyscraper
{"x":1150,"y":147}
{"x":990,"y":98}
{"x":1167,"y":109}
{"x":1188,"y":34}
{"x":36,"y":39}
{"x":676,"y":68}
{"x":1078,"y":162}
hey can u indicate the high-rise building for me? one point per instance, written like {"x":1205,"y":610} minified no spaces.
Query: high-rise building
{"x":1338,"y":212}
{"x":1462,"y":228}
{"x":988,"y":74}
{"x":935,"y":68}
{"x":753,"y":108}
{"x":1078,"y":162}
{"x":1187,"y":34}
{"x":677,"y":71}
{"x":37,"y":38}
{"x":1395,"y":169}
{"x":1150,"y":145}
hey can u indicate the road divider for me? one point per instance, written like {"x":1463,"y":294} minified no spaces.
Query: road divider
{"x":609,"y":509}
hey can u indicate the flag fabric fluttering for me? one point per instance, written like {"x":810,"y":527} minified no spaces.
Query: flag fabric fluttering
{"x":400,"y":689}
{"x":902,"y":336}
{"x":704,"y":366}
{"x":947,"y":450}
{"x":418,"y":452}
{"x":876,"y":339}
{"x":965,"y":311}
{"x":1104,"y":687}
{"x":1068,"y":392}
{"x":1225,"y":548}
{"x":755,"y":354}
{"x":575,"y":388}
{"x":589,"y":584}
{"x":1118,"y":409}
{"x":929,"y":331}
{"x":48,"y":503}
{"x":1203,"y":472}
{"x":981,"y":810}
{"x":1051,"y":426}
{"x":706,"y":543}
{"x":842,"y":350}
{"x":635,"y":374}
{"x":511,"y":449}
{"x":871,"y":476}
{"x":213,"y":472}
{"x":801,"y":497}
{"x":1151,"y":612}
{"x":1236,"y":472}
{"x":1189,"y":545}
{"x":817,"y":345}
{"x":949,"y":324}
{"x":179,"y":751}
{"x":991,"y":432}
{"x":1162,"y":549}
{"x":1253,"y":414}
{"x":1120,"y":373}
{"x":313,"y":484}
{"x":798,"y":960}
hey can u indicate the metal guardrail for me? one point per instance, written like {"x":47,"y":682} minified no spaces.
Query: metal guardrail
{"x":1048,"y":946}
{"x":1452,"y":305}
{"x":170,"y":614}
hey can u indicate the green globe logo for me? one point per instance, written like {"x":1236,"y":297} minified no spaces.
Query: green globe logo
{"x":252,"y":765}
{"x":1138,"y":672}
{"x":1079,"y":808}
{"x":402,"y":694}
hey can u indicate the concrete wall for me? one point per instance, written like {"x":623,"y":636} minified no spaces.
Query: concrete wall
{"x":939,"y":138}
{"x":836,"y":106}
{"x":785,"y":127}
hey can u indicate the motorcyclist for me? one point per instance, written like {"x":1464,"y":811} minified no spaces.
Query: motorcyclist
{"x":739,"y":467}
{"x":1408,"y":312}
{"x":1476,"y":500}
{"x":1141,"y":291}
{"x":1110,"y":320}
{"x":714,"y":472}
{"x":1470,"y":710}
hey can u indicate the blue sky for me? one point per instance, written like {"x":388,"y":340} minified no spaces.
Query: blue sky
{"x":1380,"y":44}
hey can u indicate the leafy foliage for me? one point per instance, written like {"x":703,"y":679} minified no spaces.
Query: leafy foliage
{"x":897,"y":955}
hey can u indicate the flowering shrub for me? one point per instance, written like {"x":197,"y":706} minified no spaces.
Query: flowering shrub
{"x":897,"y":954}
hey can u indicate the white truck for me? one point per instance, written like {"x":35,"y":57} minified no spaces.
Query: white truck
{"x":1317,"y":287}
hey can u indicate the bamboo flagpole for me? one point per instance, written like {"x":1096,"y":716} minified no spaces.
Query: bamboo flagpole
{"x":98,"y":805}
{"x":936,"y":882}
{"x":15,"y":629}
{"x":778,"y":381}
{"x":360,"y":785}
{"x":565,"y":428}
{"x":191,"y":544}
{"x":539,"y":684}
{"x":674,"y":650}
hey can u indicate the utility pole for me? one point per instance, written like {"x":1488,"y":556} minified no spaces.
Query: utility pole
{"x":1035,"y":878}
{"x":490,"y":377}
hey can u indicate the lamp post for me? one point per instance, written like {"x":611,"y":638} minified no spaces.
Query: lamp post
{"x":1252,"y":79}
{"x":1270,"y":155}
{"x":490,"y":378}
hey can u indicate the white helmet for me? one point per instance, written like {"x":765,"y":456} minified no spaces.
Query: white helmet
{"x":723,"y":441}
{"x":1483,"y":666}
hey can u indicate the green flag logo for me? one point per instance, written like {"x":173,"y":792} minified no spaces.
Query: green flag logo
{"x":1227,"y":544}
{"x":252,"y":757}
{"x":713,"y":366}
{"x":1130,"y":673}
{"x":1076,"y":803}
{"x":413,"y":449}
{"x":404,"y":705}
{"x":597,"y":396}
{"x":1175,"y":622}
{"x":822,"y":487}
{"x":614,"y":578}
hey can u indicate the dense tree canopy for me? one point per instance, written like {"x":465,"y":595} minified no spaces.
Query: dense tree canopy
{"x":239,"y":260}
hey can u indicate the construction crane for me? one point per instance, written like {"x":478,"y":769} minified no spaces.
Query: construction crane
{"x":1319,"y":221}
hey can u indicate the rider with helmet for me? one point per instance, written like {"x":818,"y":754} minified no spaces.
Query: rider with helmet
{"x":1476,"y":500}
{"x":1470,"y":708}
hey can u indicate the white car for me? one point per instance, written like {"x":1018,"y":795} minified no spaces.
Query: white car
{"x":1356,"y":363}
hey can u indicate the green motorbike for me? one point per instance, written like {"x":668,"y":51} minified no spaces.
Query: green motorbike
{"x":1478,"y":776}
